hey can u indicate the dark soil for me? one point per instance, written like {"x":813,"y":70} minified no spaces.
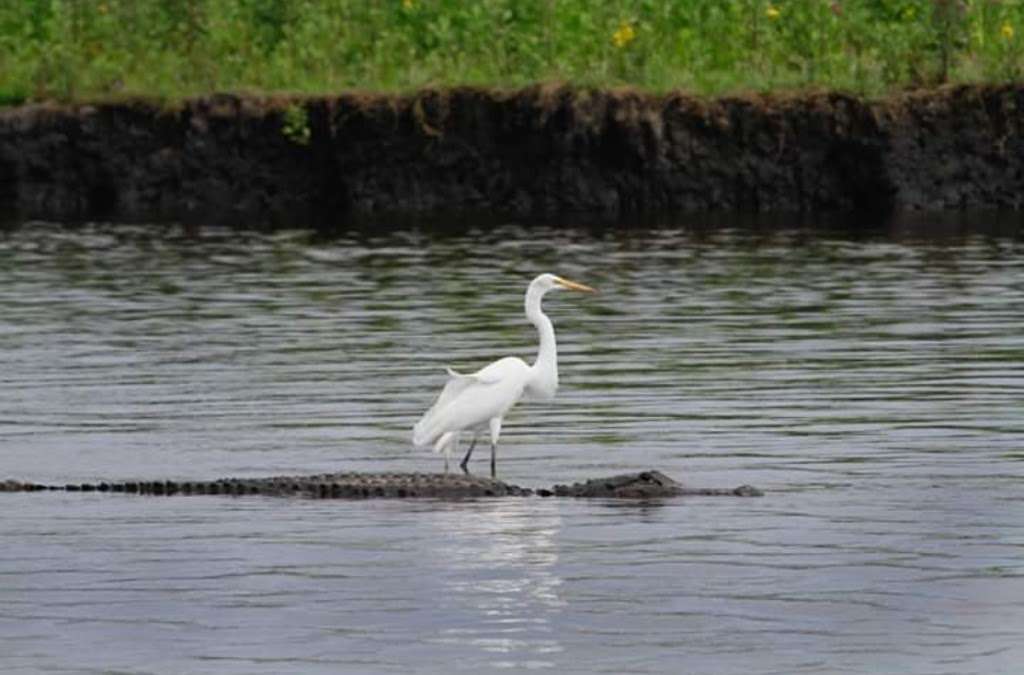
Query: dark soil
{"x":544,"y":150}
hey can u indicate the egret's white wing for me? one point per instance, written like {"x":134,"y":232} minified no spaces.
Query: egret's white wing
{"x":468,"y":401}
{"x":457,"y":383}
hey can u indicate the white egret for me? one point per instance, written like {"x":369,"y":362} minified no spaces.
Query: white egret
{"x":477,"y":400}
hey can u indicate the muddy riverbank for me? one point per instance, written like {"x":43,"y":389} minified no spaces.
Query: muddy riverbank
{"x":276,"y":160}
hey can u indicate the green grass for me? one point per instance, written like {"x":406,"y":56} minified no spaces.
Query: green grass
{"x":83,"y":49}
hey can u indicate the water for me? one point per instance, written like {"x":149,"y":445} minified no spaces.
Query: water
{"x":872,"y":383}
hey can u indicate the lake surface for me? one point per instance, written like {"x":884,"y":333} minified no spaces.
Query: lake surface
{"x":871,"y":381}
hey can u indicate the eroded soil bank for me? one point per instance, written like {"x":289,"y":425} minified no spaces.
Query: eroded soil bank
{"x":274,"y":160}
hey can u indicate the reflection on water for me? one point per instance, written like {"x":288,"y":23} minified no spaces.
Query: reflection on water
{"x":871,"y":379}
{"x":506,"y":589}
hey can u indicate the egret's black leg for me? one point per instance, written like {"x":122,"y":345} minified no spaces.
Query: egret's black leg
{"x":494,"y":452}
{"x":465,"y":460}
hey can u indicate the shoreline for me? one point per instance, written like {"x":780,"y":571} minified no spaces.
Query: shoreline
{"x":276,"y":160}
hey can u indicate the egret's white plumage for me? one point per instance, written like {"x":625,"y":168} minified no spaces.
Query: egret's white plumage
{"x":474,"y":401}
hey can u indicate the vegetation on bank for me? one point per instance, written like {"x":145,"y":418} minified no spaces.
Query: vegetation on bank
{"x":74,"y":49}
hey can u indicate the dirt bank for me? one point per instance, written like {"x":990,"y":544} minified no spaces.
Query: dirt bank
{"x":274,"y":160}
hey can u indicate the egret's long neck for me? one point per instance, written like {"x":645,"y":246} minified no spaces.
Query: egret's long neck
{"x":545,"y":368}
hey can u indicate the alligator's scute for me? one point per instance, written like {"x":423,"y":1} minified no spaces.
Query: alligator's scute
{"x":643,"y":485}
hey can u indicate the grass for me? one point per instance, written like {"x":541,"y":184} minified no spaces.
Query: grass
{"x":87,"y":49}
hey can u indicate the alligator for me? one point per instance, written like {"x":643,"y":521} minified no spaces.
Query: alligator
{"x":642,"y":485}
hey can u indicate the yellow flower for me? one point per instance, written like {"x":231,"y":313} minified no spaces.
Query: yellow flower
{"x":624,"y":35}
{"x":772,"y":12}
{"x":102,"y":8}
{"x":408,"y":4}
{"x":1006,"y":30}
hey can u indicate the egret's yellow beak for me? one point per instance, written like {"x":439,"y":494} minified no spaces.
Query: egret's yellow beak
{"x":573,"y":286}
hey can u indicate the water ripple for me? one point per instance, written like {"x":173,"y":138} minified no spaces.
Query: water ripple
{"x":873,"y":383}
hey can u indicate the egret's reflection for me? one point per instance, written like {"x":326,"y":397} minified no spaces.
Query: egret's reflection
{"x":503,"y":556}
